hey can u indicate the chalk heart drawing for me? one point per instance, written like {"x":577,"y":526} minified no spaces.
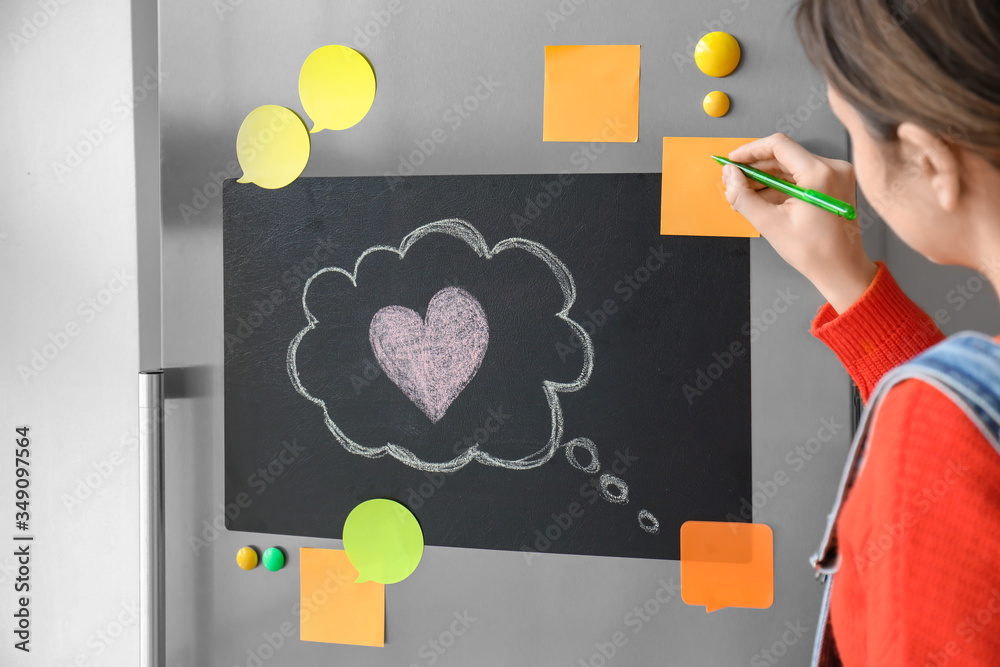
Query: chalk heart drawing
{"x":408,"y":351}
{"x":432,"y":361}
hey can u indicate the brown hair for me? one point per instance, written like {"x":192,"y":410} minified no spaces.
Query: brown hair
{"x":935,"y":63}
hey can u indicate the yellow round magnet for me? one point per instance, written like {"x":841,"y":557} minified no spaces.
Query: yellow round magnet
{"x":246,"y":558}
{"x":717,"y":54}
{"x":716,"y":104}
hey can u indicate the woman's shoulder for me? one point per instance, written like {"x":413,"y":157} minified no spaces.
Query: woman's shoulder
{"x":922,"y":440}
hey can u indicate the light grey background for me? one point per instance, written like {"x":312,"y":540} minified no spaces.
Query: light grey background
{"x":61,"y":239}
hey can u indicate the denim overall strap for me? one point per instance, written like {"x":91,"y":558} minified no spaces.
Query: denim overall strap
{"x":965,"y":367}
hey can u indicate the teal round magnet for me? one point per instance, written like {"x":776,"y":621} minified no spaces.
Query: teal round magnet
{"x":274,"y":559}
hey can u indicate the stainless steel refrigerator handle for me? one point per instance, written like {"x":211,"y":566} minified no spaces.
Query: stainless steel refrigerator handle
{"x":151,"y":520}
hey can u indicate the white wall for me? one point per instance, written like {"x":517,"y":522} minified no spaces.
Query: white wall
{"x":68,"y":236}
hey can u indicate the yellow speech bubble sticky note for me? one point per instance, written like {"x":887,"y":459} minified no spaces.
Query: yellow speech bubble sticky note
{"x":727,"y":565}
{"x":336,"y":87}
{"x":272,"y":146}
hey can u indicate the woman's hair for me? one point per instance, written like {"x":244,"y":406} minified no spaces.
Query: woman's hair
{"x":935,"y":63}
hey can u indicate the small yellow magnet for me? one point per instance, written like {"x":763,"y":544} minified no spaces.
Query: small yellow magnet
{"x":716,"y":104}
{"x":246,"y":558}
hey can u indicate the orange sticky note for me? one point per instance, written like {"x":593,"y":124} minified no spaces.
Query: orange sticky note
{"x":694,"y":196}
{"x":591,"y":93}
{"x":335,"y":609}
{"x":727,"y":564}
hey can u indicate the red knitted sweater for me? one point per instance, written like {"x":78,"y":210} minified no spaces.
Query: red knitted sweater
{"x":919,"y":534}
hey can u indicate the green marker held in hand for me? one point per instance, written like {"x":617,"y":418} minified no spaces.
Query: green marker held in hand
{"x":823,"y":201}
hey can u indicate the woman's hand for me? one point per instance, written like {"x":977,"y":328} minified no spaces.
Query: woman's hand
{"x":823,"y":247}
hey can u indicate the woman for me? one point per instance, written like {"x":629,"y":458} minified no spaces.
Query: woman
{"x":917,"y":85}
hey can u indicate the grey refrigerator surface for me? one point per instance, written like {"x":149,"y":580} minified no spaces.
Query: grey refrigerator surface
{"x":226,"y":58}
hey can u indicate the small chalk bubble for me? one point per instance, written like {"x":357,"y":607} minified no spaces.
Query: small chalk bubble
{"x":583,"y":443}
{"x":648,"y":522}
{"x":609,"y":482}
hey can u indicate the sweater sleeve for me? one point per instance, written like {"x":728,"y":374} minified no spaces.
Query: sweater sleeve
{"x":921,"y":529}
{"x":881,"y":330}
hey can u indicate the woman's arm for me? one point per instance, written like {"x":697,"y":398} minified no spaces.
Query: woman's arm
{"x":879,"y":331}
{"x":878,"y":327}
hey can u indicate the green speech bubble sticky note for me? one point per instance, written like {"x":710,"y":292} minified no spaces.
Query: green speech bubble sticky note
{"x":383,"y":541}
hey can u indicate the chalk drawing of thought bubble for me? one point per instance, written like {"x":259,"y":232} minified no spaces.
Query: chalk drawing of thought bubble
{"x":453,"y":303}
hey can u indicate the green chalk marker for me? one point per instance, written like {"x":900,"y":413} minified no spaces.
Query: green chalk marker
{"x":825,"y":202}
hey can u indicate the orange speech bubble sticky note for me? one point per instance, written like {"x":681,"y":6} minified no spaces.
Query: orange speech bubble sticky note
{"x":693,"y":201}
{"x":591,"y":93}
{"x":727,"y":564}
{"x":335,"y":609}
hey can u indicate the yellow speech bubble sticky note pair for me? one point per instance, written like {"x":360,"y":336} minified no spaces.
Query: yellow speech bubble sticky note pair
{"x":336,"y":88}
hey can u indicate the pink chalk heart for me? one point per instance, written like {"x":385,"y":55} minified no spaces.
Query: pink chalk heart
{"x":432,"y":361}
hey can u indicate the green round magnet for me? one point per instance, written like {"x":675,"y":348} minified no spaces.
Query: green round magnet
{"x":274,"y":559}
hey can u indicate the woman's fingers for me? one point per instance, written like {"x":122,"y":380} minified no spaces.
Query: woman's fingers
{"x":756,"y":206}
{"x":792,"y":158}
{"x":772,"y":167}
{"x":773,"y":196}
{"x":752,"y":184}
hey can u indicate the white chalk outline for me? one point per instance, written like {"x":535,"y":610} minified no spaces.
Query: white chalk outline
{"x":463,"y":231}
{"x":583,"y":443}
{"x":608,"y":480}
{"x":654,"y":527}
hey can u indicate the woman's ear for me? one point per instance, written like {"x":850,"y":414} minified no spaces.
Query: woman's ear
{"x":935,"y":160}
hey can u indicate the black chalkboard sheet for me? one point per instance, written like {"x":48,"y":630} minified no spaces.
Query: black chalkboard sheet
{"x":522,"y":360}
